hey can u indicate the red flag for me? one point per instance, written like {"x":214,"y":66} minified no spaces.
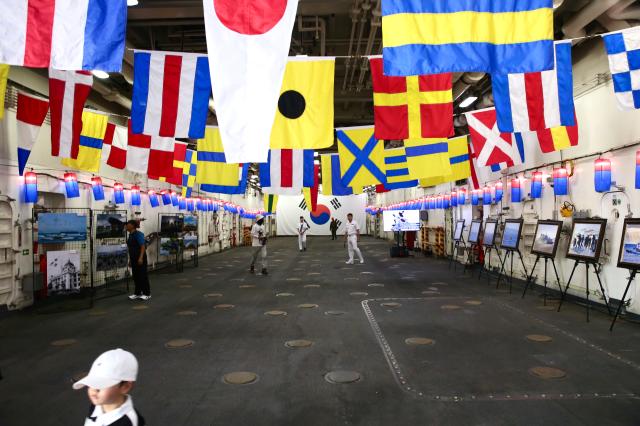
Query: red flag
{"x":151,"y":155}
{"x":114,"y":148}
{"x":174,"y":176}
{"x":414,"y":107}
{"x":472,"y":166}
{"x":30,"y":116}
{"x":68,"y":92}
{"x":489,"y":144}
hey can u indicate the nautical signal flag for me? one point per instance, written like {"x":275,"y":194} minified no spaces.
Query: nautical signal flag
{"x":151,"y":155}
{"x":212,"y":162}
{"x":94,"y":128}
{"x":4,"y":75}
{"x":428,"y":158}
{"x":174,"y":176}
{"x":457,"y":159}
{"x":304,"y":118}
{"x":114,"y":148}
{"x":397,"y":170}
{"x":30,"y":115}
{"x":270,"y":203}
{"x":411,"y":107}
{"x":189,"y":172}
{"x":248,"y":44}
{"x":361,"y":157}
{"x":490,"y":145}
{"x":551,"y":140}
{"x":539,"y":100}
{"x":66,"y":35}
{"x":495,"y":36}
{"x":332,"y":177}
{"x":311,"y":193}
{"x":287,"y":171}
{"x":239,"y":187}
{"x":170,"y":94}
{"x":68,"y":92}
{"x":623,"y":50}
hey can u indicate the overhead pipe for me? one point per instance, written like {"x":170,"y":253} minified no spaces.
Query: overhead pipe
{"x":320,"y":28}
{"x":625,"y":10}
{"x":575,"y":27}
{"x":366,"y":6}
{"x":354,"y":13}
{"x":376,"y":22}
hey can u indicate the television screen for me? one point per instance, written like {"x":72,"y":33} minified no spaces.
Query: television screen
{"x":171,"y":225}
{"x":401,"y":220}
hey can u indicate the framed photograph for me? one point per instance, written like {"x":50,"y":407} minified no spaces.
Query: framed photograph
{"x":111,"y":257}
{"x":489,"y":237}
{"x":110,"y":225}
{"x":511,"y":234}
{"x":190,"y":223}
{"x":171,"y":225}
{"x":629,"y":256}
{"x":168,"y":246}
{"x":586,"y":239}
{"x":457,"y":234}
{"x":474,"y":232}
{"x":545,"y":242}
{"x":191,"y":242}
{"x":63,"y":271}
{"x":61,"y":227}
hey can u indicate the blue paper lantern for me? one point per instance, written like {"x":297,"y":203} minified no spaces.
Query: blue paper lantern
{"x":439,"y":202}
{"x":560,"y":181}
{"x":182,"y":203}
{"x":118,"y":193}
{"x":475,"y":197}
{"x":190,"y":204}
{"x":486,"y":195}
{"x":462,"y":197}
{"x":516,"y":192}
{"x":71,"y":185}
{"x":536,"y":185}
{"x":166,"y":197}
{"x":30,"y":187}
{"x":446,"y":201}
{"x":498,"y":191}
{"x":135,"y":195}
{"x":153,"y":198}
{"x":97,"y":188}
{"x":175,"y":199}
{"x":638,"y":170}
{"x":602,"y":175}
{"x":454,"y":198}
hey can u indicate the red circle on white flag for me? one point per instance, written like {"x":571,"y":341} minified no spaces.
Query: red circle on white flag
{"x":250,"y":17}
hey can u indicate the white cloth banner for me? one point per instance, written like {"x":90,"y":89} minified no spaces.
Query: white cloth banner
{"x":291,"y":208}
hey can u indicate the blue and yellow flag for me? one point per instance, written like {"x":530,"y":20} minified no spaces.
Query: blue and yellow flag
{"x":240,"y":186}
{"x":397,"y":170}
{"x":212,"y":166}
{"x":189,"y":172}
{"x":361,"y":157}
{"x":4,"y":75}
{"x":494,"y":36}
{"x":427,"y":158}
{"x":270,"y":203}
{"x":94,"y":127}
{"x":459,"y":161}
{"x":331,"y":176}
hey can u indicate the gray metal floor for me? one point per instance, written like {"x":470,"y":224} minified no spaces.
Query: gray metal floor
{"x":477,"y":372}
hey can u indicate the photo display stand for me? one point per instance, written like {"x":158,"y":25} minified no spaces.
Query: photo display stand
{"x":190,"y":236}
{"x":628,"y":258}
{"x":585,"y":245}
{"x":111,"y":255}
{"x":511,"y":244}
{"x":474,"y":241}
{"x":62,"y":259}
{"x":545,"y":245}
{"x":457,"y":239}
{"x":488,"y":243}
{"x":171,"y":243}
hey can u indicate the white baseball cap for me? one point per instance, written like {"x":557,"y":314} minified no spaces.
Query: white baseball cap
{"x":259,"y":216}
{"x":109,"y":369}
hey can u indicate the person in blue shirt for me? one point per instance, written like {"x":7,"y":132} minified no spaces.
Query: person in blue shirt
{"x":138,"y":261}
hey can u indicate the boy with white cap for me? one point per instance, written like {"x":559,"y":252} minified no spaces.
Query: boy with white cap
{"x":108,"y":385}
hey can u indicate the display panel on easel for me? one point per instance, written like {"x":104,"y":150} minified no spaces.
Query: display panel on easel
{"x":457,"y":234}
{"x":511,"y":234}
{"x":489,"y":236}
{"x":629,"y":255}
{"x":586,"y":239}
{"x":474,"y":232}
{"x":546,"y":238}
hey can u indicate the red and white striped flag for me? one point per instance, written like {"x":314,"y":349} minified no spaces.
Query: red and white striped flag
{"x":68,"y":92}
{"x":31,"y":113}
{"x":114,"y":148}
{"x":287,"y":171}
{"x":150,"y":155}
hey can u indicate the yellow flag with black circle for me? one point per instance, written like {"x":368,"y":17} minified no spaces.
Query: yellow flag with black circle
{"x":94,"y":128}
{"x":304,"y":117}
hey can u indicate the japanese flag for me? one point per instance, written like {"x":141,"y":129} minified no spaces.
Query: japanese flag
{"x":248,"y":44}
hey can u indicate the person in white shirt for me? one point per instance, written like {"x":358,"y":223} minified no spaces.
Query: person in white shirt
{"x":303,"y":227}
{"x":259,"y":243}
{"x":352,"y":235}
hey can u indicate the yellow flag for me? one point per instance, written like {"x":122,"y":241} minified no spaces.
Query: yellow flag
{"x":361,"y":157}
{"x":304,"y":119}
{"x":459,"y":163}
{"x":4,"y":74}
{"x":270,"y":203}
{"x":94,"y":127}
{"x":212,"y":166}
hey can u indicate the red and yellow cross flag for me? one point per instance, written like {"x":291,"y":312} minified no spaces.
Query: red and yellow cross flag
{"x":414,"y":107}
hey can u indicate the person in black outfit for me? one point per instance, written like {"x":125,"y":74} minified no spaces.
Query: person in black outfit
{"x":334,"y":229}
{"x":138,"y":261}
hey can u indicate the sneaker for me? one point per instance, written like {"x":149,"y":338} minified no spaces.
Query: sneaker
{"x":361,"y":261}
{"x":145,"y":297}
{"x":133,"y":297}
{"x":264,"y":271}
{"x":349,"y":262}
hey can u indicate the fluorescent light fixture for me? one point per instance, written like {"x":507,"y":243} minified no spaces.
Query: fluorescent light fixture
{"x":100,"y":74}
{"x":468,"y":101}
{"x":132,"y":2}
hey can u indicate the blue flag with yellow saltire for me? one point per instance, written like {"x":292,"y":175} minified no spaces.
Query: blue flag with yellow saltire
{"x":459,"y":160}
{"x":493,"y":36}
{"x":212,"y":166}
{"x":361,"y":157}
{"x":331,"y":176}
{"x":240,"y":186}
{"x":427,"y":158}
{"x":94,"y":128}
{"x":189,"y":172}
{"x":397,"y":170}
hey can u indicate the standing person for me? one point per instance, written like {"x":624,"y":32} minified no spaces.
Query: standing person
{"x":333,"y":226}
{"x":109,"y":383}
{"x":259,"y":243}
{"x":138,"y":261}
{"x":303,"y":227}
{"x":352,"y":235}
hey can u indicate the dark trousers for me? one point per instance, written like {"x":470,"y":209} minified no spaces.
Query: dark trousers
{"x":141,"y":279}
{"x":333,"y":235}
